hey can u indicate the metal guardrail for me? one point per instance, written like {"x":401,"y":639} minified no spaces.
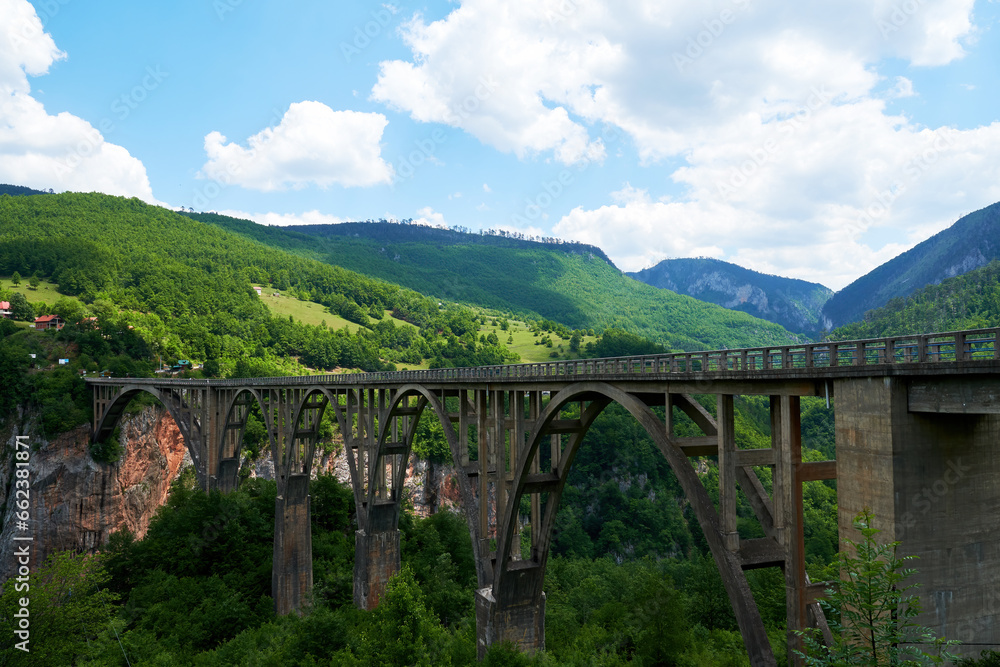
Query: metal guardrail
{"x":956,"y":346}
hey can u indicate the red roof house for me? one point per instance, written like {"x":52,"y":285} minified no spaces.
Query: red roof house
{"x":49,"y":322}
{"x":4,"y":308}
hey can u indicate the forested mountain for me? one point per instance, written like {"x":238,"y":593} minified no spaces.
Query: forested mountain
{"x":969,"y":243}
{"x":794,"y":304}
{"x":968,"y":301}
{"x":567,"y":283}
{"x":184,"y":289}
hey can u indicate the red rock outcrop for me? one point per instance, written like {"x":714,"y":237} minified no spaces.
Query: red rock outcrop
{"x":76,"y":503}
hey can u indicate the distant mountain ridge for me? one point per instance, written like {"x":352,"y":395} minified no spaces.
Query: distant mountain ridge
{"x":967,"y":301}
{"x":391,"y":232}
{"x":20,"y":190}
{"x":792,"y":303}
{"x":973,"y":241}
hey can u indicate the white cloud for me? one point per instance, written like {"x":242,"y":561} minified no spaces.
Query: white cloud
{"x":486,"y":188}
{"x":479,"y":70}
{"x":536,"y":77}
{"x":800,"y":207}
{"x":776,"y":113}
{"x":429,"y":218}
{"x":62,"y":152}
{"x":313,"y":144}
{"x":313,"y":217}
{"x":902,"y":89}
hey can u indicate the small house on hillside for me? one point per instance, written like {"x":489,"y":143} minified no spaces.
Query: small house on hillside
{"x":49,"y":322}
{"x":4,"y":308}
{"x":259,"y":290}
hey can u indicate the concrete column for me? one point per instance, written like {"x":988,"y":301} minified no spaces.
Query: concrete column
{"x":376,"y":558}
{"x":786,"y":439}
{"x":291,"y":574}
{"x":229,"y":470}
{"x":933,"y":482}
{"x":210,"y":434}
{"x":521,"y":622}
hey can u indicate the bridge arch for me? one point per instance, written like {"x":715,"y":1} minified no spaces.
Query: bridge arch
{"x":526,"y":577}
{"x":229,"y":445}
{"x":175,"y":405}
{"x":436,"y":403}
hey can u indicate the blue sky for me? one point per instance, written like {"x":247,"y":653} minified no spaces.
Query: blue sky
{"x":810,"y":140}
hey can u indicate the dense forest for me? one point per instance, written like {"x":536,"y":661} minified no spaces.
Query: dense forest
{"x":184,"y":289}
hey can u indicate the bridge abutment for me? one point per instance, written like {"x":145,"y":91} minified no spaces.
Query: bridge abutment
{"x":291,"y":574}
{"x":376,"y":558}
{"x":520,"y":621}
{"x":929,"y":468}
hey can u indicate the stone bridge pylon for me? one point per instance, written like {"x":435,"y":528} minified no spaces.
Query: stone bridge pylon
{"x":905,"y":407}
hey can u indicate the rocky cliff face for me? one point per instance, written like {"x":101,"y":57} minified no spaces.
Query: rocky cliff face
{"x":794,"y":304}
{"x":75,"y":502}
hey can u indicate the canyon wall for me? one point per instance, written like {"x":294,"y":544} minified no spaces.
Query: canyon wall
{"x":76,"y":502}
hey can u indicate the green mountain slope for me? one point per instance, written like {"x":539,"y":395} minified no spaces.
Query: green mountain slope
{"x":969,"y":301}
{"x":569,"y":283}
{"x":184,"y":288}
{"x":971,"y":242}
{"x":794,"y":304}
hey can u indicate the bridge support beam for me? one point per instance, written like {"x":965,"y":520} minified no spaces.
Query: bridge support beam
{"x":376,"y":558}
{"x":932,"y":480}
{"x":291,"y":574}
{"x":521,"y":622}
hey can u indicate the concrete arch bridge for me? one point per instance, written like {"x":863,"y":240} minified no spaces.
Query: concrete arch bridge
{"x":917,"y":422}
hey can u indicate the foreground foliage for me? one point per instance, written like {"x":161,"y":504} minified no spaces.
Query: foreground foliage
{"x":872,"y":612}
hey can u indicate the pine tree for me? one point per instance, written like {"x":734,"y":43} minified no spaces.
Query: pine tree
{"x":875,"y":626}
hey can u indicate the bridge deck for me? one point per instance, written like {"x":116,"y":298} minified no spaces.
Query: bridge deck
{"x":950,"y":353}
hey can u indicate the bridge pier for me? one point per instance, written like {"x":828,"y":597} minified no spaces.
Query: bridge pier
{"x":229,"y":471}
{"x":520,"y":621}
{"x":376,"y":558}
{"x":291,"y":574}
{"x":925,"y":459}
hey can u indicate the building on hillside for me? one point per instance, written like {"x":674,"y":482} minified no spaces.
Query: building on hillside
{"x":4,"y":308}
{"x":49,"y":322}
{"x":259,"y":290}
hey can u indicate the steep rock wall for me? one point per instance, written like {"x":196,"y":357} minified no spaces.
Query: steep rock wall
{"x":75,"y":502}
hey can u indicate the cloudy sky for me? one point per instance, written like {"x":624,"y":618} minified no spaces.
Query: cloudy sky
{"x":813,"y":140}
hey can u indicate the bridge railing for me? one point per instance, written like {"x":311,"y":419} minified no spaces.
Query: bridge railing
{"x":956,"y":346}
